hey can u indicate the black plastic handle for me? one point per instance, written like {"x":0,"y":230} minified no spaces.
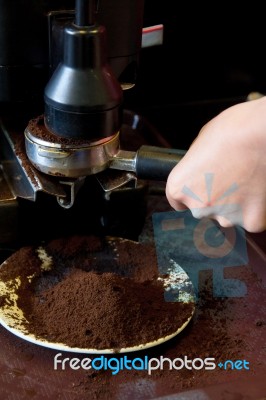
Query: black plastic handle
{"x":155,"y":163}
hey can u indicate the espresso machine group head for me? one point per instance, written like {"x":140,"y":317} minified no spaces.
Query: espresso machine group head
{"x":83,"y":100}
{"x":79,"y":134}
{"x":64,"y":70}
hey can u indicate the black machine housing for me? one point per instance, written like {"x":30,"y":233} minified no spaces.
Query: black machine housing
{"x":31,"y":47}
{"x":31,"y":42}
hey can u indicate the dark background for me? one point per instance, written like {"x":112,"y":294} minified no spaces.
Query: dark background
{"x":213,"y":56}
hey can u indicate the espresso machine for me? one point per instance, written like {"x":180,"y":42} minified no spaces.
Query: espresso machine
{"x":70,"y":153}
{"x":75,"y":159}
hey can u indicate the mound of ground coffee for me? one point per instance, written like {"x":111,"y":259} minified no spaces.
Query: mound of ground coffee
{"x":93,"y":293}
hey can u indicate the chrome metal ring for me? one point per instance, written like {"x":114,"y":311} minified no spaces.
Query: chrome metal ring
{"x":70,"y":160}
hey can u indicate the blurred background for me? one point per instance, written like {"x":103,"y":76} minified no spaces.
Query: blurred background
{"x":212,"y":56}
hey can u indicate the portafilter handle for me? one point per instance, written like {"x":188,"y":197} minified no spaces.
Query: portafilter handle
{"x":149,"y":162}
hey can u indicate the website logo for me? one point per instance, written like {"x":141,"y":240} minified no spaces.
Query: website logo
{"x":118,"y":364}
{"x":194,"y":242}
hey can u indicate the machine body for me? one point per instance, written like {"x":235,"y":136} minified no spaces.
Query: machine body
{"x":63,"y":69}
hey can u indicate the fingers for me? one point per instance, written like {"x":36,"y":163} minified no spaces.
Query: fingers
{"x":254,"y":218}
{"x":174,"y":186}
{"x":175,"y":202}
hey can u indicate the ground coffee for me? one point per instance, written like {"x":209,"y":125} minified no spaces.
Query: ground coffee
{"x":93,"y":293}
{"x":36,"y":127}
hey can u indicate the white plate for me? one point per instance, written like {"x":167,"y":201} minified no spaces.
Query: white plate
{"x":12,"y":318}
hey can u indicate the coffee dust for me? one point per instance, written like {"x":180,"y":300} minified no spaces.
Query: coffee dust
{"x":37,"y":128}
{"x":94,"y":293}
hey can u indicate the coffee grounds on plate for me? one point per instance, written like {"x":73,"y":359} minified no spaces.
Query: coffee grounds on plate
{"x":94,"y":294}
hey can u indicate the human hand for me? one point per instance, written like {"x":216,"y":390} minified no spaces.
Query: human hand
{"x":223,"y":174}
